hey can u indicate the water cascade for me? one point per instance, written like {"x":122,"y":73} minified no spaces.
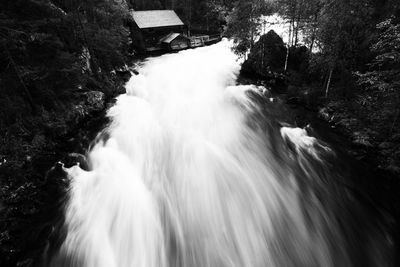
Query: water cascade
{"x":195,"y":171}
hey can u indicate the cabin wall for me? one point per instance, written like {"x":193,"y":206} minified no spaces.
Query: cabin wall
{"x":179,"y":43}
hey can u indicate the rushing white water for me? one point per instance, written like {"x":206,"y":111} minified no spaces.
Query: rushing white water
{"x":189,"y":176}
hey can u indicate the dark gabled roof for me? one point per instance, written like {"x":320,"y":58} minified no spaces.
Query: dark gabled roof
{"x":156,"y":18}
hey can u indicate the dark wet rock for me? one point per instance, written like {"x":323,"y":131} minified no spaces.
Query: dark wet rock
{"x":323,"y":113}
{"x":124,"y":74}
{"x":266,"y":58}
{"x":119,"y":91}
{"x":265,"y":91}
{"x":56,"y":171}
{"x":74,"y":159}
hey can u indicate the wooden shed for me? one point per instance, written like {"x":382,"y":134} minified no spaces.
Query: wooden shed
{"x":175,"y":41}
{"x":150,"y":26}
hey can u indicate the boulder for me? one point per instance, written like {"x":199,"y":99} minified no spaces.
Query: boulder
{"x":266,"y":58}
{"x":75,"y":158}
{"x":323,"y":113}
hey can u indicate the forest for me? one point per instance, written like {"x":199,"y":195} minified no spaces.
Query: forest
{"x":63,"y":61}
{"x":341,"y":59}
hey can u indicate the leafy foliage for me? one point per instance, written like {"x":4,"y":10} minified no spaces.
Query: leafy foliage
{"x":51,"y":53}
{"x":52,"y":49}
{"x":381,"y":83}
{"x":243,"y":23}
{"x":384,"y":74}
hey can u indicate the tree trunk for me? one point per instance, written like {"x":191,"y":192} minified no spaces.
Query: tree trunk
{"x":293,"y":32}
{"x":251,"y":39}
{"x":92,"y":59}
{"x":312,"y":42}
{"x":329,"y":83}
{"x":290,"y":32}
{"x":288,"y":46}
{"x":287,"y":57}
{"x":296,"y":32}
{"x":314,"y":29}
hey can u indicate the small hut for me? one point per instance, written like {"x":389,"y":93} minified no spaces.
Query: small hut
{"x":152,"y":29}
{"x":175,"y":41}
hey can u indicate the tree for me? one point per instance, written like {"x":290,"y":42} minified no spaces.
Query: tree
{"x":302,"y":18}
{"x":50,"y":49}
{"x":244,"y":23}
{"x":342,"y":35}
{"x":381,"y":83}
{"x":51,"y":53}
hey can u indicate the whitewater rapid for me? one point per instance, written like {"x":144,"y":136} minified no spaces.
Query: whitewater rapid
{"x":192,"y":172}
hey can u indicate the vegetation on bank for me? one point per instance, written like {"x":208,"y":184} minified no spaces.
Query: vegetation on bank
{"x":341,"y":58}
{"x":53,"y":54}
{"x":58,"y":63}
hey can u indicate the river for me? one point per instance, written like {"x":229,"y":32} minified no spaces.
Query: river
{"x":195,"y":170}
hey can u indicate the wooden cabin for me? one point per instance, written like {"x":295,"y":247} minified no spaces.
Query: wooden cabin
{"x":154,"y":30}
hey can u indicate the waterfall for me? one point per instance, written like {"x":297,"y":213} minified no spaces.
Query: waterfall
{"x":197,"y":171}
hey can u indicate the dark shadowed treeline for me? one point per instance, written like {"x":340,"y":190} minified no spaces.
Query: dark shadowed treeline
{"x":51,"y":52}
{"x":58,"y":62}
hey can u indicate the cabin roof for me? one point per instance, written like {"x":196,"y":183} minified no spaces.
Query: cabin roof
{"x":156,"y":18}
{"x":170,"y":37}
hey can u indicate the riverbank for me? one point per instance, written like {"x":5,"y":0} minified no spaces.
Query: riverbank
{"x":363,"y":158}
{"x":334,"y":123}
{"x":366,"y":118}
{"x":367,"y":138}
{"x":31,"y":199}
